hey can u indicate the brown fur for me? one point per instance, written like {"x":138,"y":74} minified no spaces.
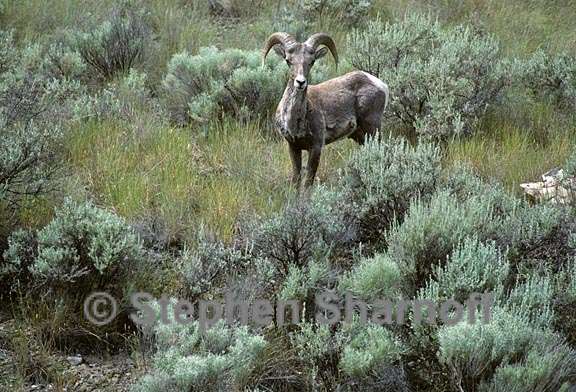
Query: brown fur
{"x":309,"y":117}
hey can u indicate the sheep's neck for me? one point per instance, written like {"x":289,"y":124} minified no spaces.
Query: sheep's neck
{"x":293,"y":113}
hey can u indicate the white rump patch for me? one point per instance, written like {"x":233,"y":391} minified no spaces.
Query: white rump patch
{"x":380,"y":84}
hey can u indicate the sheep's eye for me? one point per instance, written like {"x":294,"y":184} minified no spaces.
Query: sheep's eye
{"x":288,"y":62}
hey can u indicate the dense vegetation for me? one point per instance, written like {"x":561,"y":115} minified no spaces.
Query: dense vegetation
{"x":137,"y":153}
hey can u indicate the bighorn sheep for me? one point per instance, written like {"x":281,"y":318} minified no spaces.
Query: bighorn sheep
{"x":309,"y":117}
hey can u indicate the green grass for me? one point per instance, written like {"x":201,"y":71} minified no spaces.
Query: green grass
{"x":189,"y":181}
{"x":516,"y":145}
{"x":186,"y":179}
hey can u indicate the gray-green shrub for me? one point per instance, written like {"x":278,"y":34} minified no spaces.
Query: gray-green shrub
{"x":7,"y":50}
{"x":370,"y":349}
{"x":28,"y":90}
{"x":442,"y":79}
{"x":503,"y":348}
{"x":527,"y":225}
{"x":549,"y":369}
{"x":83,"y":245}
{"x":117,"y":44}
{"x":570,"y":165}
{"x":431,"y":231}
{"x":187,"y":359}
{"x":64,"y":61}
{"x":208,"y":263}
{"x":381,"y":179}
{"x":566,"y":281}
{"x":550,"y":75}
{"x":533,"y":298}
{"x":18,"y":259}
{"x":213,"y":82}
{"x":473,"y":267}
{"x":303,"y":231}
{"x":28,"y":162}
{"x":126,"y":98}
{"x":313,"y":342}
{"x":569,"y":174}
{"x":33,"y":107}
{"x":374,"y":278}
{"x":304,"y":281}
{"x":521,"y":224}
{"x":349,"y":12}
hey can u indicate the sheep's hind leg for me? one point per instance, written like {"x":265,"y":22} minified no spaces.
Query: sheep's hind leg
{"x":367,"y":127}
{"x":358,"y":136}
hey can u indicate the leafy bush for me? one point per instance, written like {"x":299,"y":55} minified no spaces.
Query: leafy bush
{"x":431,"y":231}
{"x":33,"y":107}
{"x":116,"y":45}
{"x":214,"y":82}
{"x":125,"y":98}
{"x":208,"y":264}
{"x":301,"y":281}
{"x":84,"y":246}
{"x":473,"y":267}
{"x":64,"y":61}
{"x":521,"y":225}
{"x":374,"y":278}
{"x":533,"y":298}
{"x":442,"y":79}
{"x":381,"y":179}
{"x":554,"y":76}
{"x":349,"y":12}
{"x":303,"y":231}
{"x":504,"y":349}
{"x":548,"y":369}
{"x":369,"y":350}
{"x":187,"y":358}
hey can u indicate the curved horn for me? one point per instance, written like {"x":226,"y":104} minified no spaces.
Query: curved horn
{"x":323,"y":39}
{"x":276,"y":39}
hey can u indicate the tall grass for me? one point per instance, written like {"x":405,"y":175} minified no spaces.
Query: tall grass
{"x":517,"y":144}
{"x":186,"y":179}
{"x":189,"y":180}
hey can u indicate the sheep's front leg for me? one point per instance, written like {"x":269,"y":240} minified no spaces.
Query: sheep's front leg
{"x":313,"y":161}
{"x":296,"y":158}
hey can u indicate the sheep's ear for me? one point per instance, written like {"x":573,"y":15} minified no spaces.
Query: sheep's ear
{"x":279,"y":49}
{"x":321,"y":53}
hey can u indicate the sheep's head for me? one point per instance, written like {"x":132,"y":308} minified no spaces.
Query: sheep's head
{"x":300,"y":56}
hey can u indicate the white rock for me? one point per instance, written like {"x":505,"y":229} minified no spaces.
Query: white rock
{"x":74,"y":360}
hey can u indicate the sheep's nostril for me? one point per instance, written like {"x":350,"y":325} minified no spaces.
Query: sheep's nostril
{"x":300,"y":83}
